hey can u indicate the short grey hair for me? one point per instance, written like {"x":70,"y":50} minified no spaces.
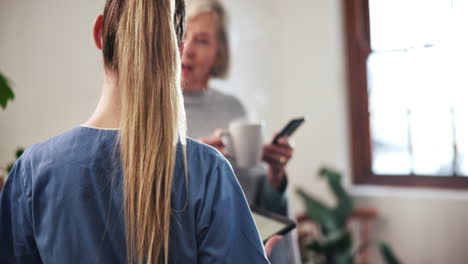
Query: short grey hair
{"x":223,"y":60}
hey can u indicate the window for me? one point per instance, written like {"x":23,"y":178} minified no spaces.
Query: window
{"x":408,"y":87}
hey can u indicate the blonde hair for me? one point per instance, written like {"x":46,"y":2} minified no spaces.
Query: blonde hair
{"x":140,"y":43}
{"x":197,"y":7}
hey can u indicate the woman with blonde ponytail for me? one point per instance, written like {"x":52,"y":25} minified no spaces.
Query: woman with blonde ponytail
{"x":127,"y":186}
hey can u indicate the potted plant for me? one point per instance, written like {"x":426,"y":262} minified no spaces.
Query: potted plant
{"x":6,"y":94}
{"x":334,"y":245}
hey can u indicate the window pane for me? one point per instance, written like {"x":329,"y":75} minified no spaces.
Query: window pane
{"x":418,"y":82}
{"x":388,"y":114}
{"x":401,"y":24}
{"x":461,"y":114}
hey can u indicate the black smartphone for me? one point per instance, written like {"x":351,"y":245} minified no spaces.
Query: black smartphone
{"x":289,"y":129}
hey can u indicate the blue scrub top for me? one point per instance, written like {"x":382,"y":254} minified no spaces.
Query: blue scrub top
{"x":62,"y":203}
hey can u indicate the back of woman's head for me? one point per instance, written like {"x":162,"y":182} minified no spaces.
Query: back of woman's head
{"x":113,"y":12}
{"x":141,"y":41}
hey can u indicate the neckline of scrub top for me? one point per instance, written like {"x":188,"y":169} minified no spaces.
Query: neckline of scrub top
{"x":101,"y":128}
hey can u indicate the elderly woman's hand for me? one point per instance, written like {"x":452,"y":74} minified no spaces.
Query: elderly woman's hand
{"x":215,"y":140}
{"x":270,"y":244}
{"x":277,"y":157}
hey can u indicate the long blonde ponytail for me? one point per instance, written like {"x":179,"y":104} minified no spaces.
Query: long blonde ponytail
{"x":141,"y":45}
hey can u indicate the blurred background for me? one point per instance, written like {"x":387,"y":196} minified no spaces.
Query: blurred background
{"x":290,"y":59}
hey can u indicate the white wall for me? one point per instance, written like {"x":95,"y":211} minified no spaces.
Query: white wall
{"x":422,"y":226}
{"x":46,"y":49}
{"x":288,"y":61}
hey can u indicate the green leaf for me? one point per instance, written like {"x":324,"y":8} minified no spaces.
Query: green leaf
{"x":388,"y":255}
{"x":6,"y":93}
{"x":10,"y":167}
{"x":316,"y":247}
{"x":336,"y":247}
{"x":19,"y":152}
{"x":319,"y":212}
{"x":343,"y":257}
{"x":340,"y":239}
{"x":344,"y":201}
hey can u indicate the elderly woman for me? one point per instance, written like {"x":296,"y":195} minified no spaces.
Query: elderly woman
{"x":206,"y":56}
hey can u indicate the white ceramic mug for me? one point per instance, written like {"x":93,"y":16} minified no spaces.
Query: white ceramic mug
{"x":244,"y":142}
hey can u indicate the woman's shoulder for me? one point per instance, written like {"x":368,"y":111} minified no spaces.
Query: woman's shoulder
{"x":206,"y":167}
{"x":78,"y":146}
{"x":50,"y":147}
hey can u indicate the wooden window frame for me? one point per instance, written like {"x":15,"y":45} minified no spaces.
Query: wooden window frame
{"x":357,"y":31}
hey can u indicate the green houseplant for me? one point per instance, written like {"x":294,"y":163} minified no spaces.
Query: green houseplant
{"x":18,"y":154}
{"x":6,"y":93}
{"x":335,"y":244}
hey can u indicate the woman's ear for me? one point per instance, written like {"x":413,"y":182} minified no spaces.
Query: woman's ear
{"x":97,"y":31}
